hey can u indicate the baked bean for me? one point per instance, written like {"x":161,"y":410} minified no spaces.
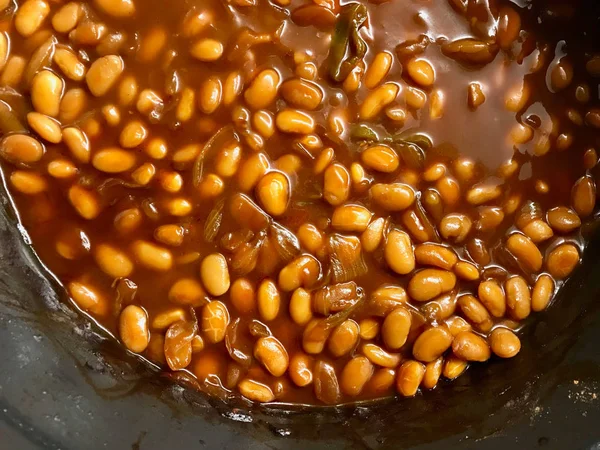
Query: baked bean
{"x":371,"y":238}
{"x":399,"y":253}
{"x":269,"y":300}
{"x":272,"y":354}
{"x":476,"y":312}
{"x":392,"y":197}
{"x":355,"y":374}
{"x":436,"y":104}
{"x":67,"y":17}
{"x":377,"y":100}
{"x":255,"y":391}
{"x":302,"y":94}
{"x":113,"y":160}
{"x":518,"y":297}
{"x":133,"y":328}
{"x":343,"y":338}
{"x":493,"y":297}
{"x":300,"y":369}
{"x":103,"y":74}
{"x":30,"y":16}
{"x":113,"y":262}
{"x":117,"y":8}
{"x":471,"y":347}
{"x":20,"y":148}
{"x":483,"y":193}
{"x":538,"y":231}
{"x":543,"y":291}
{"x":214,"y":273}
{"x":128,"y":220}
{"x":207,"y":50}
{"x":69,"y":64}
{"x":351,"y":217}
{"x":28,"y":182}
{"x":584,"y":196}
{"x":526,"y":252}
{"x":152,"y":256}
{"x":381,"y":158}
{"x":457,"y":325}
{"x":396,"y":327}
{"x":433,"y":372}
{"x":172,"y":235}
{"x":378,"y":69}
{"x":504,"y":343}
{"x":435,"y":255}
{"x":368,"y":328}
{"x":409,"y":378}
{"x":427,"y":284}
{"x":476,"y":96}
{"x":304,"y":272}
{"x":563,"y":219}
{"x":380,"y":357}
{"x":210,"y":95}
{"x":273,"y":192}
{"x":215,"y":319}
{"x":466,"y":271}
{"x":421,"y":71}
{"x":454,"y":367}
{"x":62,"y":169}
{"x":263,"y":89}
{"x":187,"y":292}
{"x":336,"y":184}
{"x":294,"y":121}
{"x":72,"y":105}
{"x":449,"y":190}
{"x":431,"y":344}
{"x":85,"y":202}
{"x":562,"y":260}
{"x":86,"y":298}
{"x":46,"y":92}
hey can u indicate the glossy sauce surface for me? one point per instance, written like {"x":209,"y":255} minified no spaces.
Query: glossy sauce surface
{"x":220,"y":191}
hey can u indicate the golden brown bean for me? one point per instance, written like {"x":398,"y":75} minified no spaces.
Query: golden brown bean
{"x":433,"y":372}
{"x":269,"y":300}
{"x":393,"y":196}
{"x":103,"y":74}
{"x":474,"y":310}
{"x":371,"y":238}
{"x":272,"y":354}
{"x":378,"y":69}
{"x":67,"y":17}
{"x":87,"y":298}
{"x":28,"y":182}
{"x":583,"y":196}
{"x":20,"y":148}
{"x":563,"y":219}
{"x":301,"y":306}
{"x":187,"y":292}
{"x":300,"y":369}
{"x":518,"y":297}
{"x":466,"y":271}
{"x":409,"y":378}
{"x":355,"y":374}
{"x":165,"y":319}
{"x":455,"y":227}
{"x":302,"y":94}
{"x":368,"y":328}
{"x":116,"y":8}
{"x":207,"y":50}
{"x":255,"y":391}
{"x":30,"y":16}
{"x":133,"y":328}
{"x":377,"y":100}
{"x":46,"y":92}
{"x":504,"y":343}
{"x":421,"y":71}
{"x":215,"y":274}
{"x":542,"y":294}
{"x":492,"y":296}
{"x":381,"y":158}
{"x":454,"y":367}
{"x":263,"y":89}
{"x":85,"y":202}
{"x":152,"y":256}
{"x":273,"y":192}
{"x":113,"y":160}
{"x":469,"y":346}
{"x":399,"y":253}
{"x":113,"y":261}
{"x":343,"y":338}
{"x":431,"y":344}
{"x":336,"y":184}
{"x":380,"y":357}
{"x":562,"y":260}
{"x":215,"y":319}
{"x":526,"y":252}
{"x":427,"y":284}
{"x":351,"y":217}
{"x":396,"y":327}
{"x":295,"y":121}
{"x":435,"y":255}
{"x":303,"y":271}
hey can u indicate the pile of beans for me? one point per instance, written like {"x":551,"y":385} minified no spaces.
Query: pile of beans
{"x":297,"y":200}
